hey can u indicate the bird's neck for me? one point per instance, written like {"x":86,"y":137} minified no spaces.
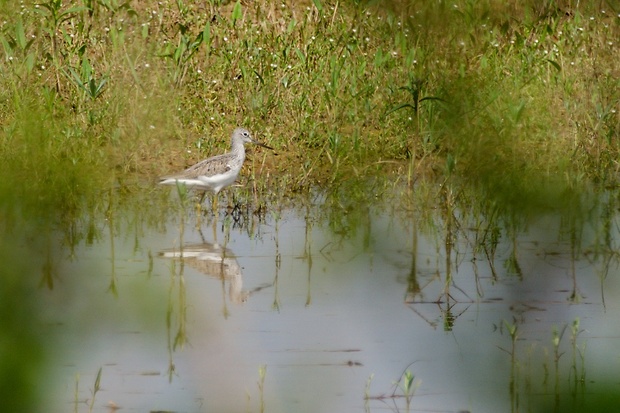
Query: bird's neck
{"x":237,"y":147}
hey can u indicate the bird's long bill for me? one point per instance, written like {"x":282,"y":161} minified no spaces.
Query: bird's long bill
{"x":261,"y":144}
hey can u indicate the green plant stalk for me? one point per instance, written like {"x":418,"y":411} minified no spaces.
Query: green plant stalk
{"x":96,"y":388}
{"x":262,"y":373}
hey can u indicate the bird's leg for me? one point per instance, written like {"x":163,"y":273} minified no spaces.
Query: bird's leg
{"x":214,"y":204}
{"x":213,"y":225}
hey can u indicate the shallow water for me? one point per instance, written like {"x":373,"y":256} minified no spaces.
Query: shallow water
{"x":333,"y":315}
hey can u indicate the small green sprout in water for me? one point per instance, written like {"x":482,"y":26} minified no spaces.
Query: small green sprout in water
{"x":95,"y":390}
{"x":579,"y":376}
{"x":367,"y":395}
{"x":262,"y":372}
{"x":513,"y":331}
{"x":575,"y":329}
{"x":408,"y":386}
{"x":557,"y":338}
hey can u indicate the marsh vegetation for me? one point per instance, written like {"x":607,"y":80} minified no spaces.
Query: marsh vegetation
{"x":467,"y":118}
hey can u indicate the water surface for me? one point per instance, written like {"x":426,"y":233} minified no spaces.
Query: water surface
{"x":184,"y":316}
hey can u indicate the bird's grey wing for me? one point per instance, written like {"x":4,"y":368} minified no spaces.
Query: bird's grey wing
{"x":209,"y":167}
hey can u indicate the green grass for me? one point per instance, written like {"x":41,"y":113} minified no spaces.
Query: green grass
{"x":507,"y":96}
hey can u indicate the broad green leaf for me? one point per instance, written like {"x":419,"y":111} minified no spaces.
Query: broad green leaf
{"x":318,"y":5}
{"x":300,"y":55}
{"x":236,"y":13}
{"x":20,"y":35}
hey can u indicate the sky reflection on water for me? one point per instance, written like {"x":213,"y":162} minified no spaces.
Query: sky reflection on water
{"x":324,"y":313}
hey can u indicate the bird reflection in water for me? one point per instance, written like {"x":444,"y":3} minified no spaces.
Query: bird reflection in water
{"x":215,"y":261}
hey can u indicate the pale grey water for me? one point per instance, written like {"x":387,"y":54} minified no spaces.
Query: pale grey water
{"x":328,"y":314}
